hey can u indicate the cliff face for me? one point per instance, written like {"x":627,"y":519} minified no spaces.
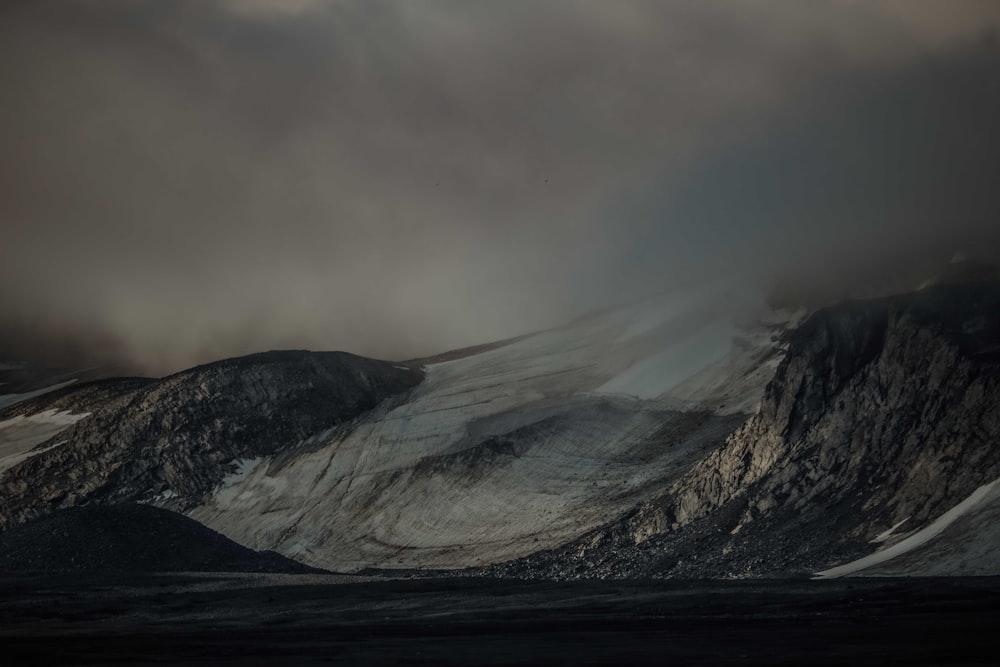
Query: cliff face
{"x":179,"y":436}
{"x":883,"y":413}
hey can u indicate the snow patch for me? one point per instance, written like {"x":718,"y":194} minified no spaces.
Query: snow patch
{"x":20,"y":435}
{"x":10,"y":461}
{"x":243,"y":469}
{"x":918,"y":539}
{"x":10,"y":399}
{"x":886,"y":534}
{"x":162,"y":497}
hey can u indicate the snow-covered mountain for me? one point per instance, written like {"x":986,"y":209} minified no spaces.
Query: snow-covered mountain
{"x":515,"y":449}
{"x":878,"y":433}
{"x":697,"y":433}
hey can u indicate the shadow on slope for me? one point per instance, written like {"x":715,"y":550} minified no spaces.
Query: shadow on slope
{"x":130,"y":538}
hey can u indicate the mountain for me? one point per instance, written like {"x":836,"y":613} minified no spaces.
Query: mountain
{"x":882,"y":418}
{"x":135,"y":440}
{"x":700,"y":433}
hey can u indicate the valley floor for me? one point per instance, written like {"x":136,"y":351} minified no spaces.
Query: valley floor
{"x":313,"y":619}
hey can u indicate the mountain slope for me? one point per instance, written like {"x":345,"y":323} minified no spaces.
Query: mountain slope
{"x":181,"y":435}
{"x":515,"y":448}
{"x":695,"y":434}
{"x":883,"y":413}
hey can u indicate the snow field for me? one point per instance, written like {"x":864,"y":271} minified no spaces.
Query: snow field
{"x":512,"y":450}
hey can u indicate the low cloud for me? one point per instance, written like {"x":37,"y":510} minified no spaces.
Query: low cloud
{"x":200,"y":179}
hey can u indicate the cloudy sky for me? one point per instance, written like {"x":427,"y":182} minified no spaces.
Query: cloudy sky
{"x":185,"y":180}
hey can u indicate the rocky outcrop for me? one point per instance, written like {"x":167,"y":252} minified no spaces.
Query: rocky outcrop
{"x":178,"y":437}
{"x":883,"y":413}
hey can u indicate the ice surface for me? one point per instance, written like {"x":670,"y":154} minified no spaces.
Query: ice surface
{"x":510,"y":450}
{"x":663,"y":371}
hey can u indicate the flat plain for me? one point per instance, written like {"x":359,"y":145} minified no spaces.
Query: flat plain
{"x":320,"y":619}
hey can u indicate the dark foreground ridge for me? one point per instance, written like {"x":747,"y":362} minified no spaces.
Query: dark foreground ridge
{"x":186,"y":620}
{"x":129,"y":538}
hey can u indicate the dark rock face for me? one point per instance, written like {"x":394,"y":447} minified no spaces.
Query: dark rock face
{"x":129,"y":538}
{"x":881,"y":411}
{"x":182,"y":433}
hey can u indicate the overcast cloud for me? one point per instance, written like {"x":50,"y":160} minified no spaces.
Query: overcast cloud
{"x":190,"y":180}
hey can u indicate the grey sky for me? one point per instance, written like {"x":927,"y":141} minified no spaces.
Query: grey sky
{"x":199,"y":179}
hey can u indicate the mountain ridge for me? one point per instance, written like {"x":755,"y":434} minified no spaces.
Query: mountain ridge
{"x":785,"y":447}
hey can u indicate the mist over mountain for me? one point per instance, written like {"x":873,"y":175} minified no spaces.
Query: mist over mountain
{"x":704,"y":432}
{"x":185,"y":181}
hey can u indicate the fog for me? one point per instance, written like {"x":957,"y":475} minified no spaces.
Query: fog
{"x":183,"y":181}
